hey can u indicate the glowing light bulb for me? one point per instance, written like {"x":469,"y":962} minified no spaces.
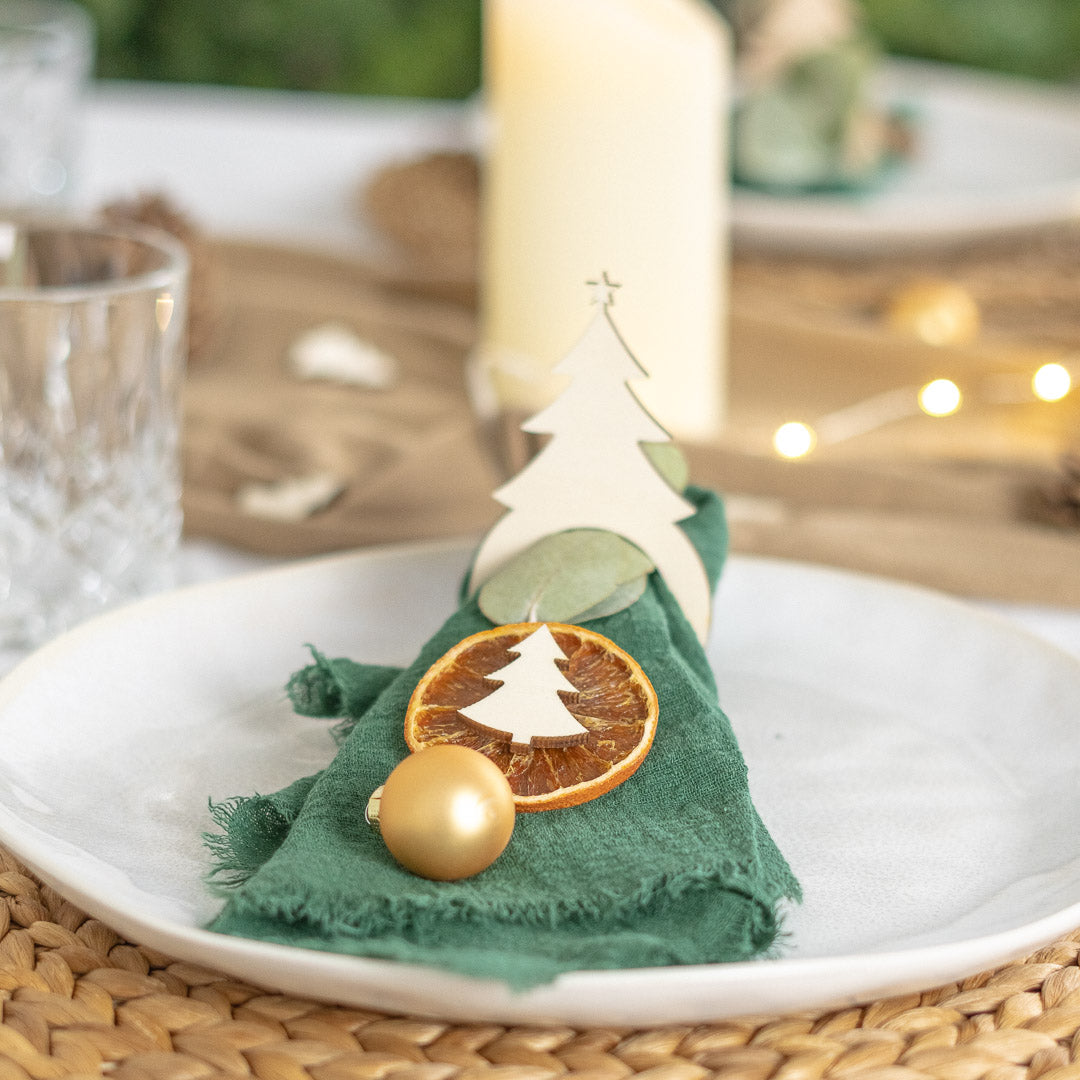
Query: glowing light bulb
{"x":1051,"y":382}
{"x":794,"y":440}
{"x":940,"y":398}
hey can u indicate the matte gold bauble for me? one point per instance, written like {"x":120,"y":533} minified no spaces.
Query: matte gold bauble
{"x":445,"y":812}
{"x":936,"y":311}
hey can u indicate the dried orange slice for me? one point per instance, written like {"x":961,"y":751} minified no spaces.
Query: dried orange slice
{"x":614,"y":701}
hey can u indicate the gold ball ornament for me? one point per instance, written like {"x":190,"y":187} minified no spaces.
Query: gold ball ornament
{"x":445,"y":813}
{"x":934,"y":310}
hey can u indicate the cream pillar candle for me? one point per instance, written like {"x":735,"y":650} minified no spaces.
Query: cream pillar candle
{"x":607,"y":152}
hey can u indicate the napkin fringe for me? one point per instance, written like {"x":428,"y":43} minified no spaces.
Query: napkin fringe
{"x":234,"y":862}
{"x":414,"y":935}
{"x":252,"y":827}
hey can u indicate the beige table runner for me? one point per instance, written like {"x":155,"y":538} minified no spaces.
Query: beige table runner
{"x":953,"y":504}
{"x":412,"y":465}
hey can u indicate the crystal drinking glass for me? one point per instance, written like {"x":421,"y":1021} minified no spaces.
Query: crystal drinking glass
{"x":92,"y":352}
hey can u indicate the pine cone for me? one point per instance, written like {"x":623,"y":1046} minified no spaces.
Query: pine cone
{"x":203,"y":312}
{"x":1059,"y":503}
{"x":1070,"y":486}
{"x":429,"y":207}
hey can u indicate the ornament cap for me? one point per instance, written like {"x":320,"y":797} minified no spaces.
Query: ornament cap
{"x":374,"y":803}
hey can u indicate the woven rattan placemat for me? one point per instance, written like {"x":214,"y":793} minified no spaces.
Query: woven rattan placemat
{"x":79,"y":1001}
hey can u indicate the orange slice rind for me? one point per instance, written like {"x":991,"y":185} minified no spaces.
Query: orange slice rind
{"x":614,"y":700}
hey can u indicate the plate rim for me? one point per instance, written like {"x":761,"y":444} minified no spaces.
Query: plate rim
{"x":842,"y":225}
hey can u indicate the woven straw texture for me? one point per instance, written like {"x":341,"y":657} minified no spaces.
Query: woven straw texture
{"x":78,"y":1001}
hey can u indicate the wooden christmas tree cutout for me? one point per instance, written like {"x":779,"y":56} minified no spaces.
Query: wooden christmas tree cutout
{"x":526,"y":706}
{"x":594,"y":474}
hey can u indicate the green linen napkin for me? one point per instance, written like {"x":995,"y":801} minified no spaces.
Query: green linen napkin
{"x":674,"y":866}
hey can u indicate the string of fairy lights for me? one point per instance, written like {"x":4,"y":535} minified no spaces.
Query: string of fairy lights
{"x":938,"y":313}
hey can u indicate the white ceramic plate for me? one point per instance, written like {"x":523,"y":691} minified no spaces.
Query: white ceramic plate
{"x":993,"y":154}
{"x":918,"y":762}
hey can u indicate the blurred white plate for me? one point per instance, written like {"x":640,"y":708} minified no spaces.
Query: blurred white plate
{"x":993,"y":154}
{"x":918,"y":762}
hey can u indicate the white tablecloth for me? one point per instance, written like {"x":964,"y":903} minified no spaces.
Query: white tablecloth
{"x":287,"y":167}
{"x":255,"y":163}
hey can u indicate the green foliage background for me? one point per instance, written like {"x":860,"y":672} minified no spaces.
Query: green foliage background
{"x":1035,"y":38}
{"x":427,"y":48}
{"x":431,"y":48}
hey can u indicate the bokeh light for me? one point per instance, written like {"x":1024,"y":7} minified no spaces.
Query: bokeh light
{"x":941,"y":397}
{"x":794,"y":440}
{"x":1051,"y":382}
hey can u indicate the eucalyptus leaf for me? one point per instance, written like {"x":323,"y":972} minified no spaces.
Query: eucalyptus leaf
{"x":623,"y":596}
{"x":814,"y":126}
{"x":561,"y":576}
{"x":669,"y":461}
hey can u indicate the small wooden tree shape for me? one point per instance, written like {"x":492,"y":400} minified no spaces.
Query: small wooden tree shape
{"x":527,"y":705}
{"x":593,"y":473}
